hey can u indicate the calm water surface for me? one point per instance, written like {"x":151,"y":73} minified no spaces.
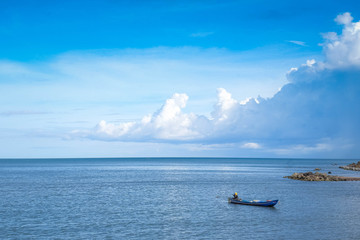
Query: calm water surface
{"x":174,"y":199}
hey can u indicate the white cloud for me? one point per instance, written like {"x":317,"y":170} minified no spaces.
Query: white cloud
{"x":344,"y":18}
{"x":168,"y":123}
{"x":320,"y":102}
{"x":300,"y":43}
{"x":342,"y":51}
{"x":108,"y":129}
{"x":224,"y":106}
{"x":251,"y":145}
{"x":202,"y":34}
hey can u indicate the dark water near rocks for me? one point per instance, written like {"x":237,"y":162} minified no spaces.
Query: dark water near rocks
{"x":174,"y":199}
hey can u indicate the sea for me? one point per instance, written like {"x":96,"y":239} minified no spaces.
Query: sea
{"x":174,"y":198}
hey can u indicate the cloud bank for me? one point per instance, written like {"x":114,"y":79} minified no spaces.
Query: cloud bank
{"x":317,"y":111}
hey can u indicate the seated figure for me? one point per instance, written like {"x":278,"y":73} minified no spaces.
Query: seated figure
{"x":235,"y":196}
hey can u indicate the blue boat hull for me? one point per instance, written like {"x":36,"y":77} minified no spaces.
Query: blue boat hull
{"x":268,"y":203}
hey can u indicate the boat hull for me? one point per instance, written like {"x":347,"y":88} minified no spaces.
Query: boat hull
{"x":268,"y":203}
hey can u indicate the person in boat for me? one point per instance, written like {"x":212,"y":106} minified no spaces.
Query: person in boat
{"x":235,"y":196}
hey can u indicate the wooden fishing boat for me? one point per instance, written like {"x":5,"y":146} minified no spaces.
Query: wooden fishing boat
{"x":267,"y":203}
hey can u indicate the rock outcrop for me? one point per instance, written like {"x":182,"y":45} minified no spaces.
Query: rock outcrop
{"x":317,"y":176}
{"x":352,"y":166}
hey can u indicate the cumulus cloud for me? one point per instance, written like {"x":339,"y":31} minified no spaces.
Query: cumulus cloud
{"x":317,"y":111}
{"x":342,"y":51}
{"x":344,"y":18}
{"x":168,"y":123}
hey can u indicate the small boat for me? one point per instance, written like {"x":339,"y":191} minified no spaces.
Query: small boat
{"x":267,"y":203}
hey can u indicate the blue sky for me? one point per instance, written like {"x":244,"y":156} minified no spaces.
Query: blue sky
{"x":33,"y":30}
{"x":179,"y":78}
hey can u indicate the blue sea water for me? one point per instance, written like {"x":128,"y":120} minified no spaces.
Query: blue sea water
{"x":174,"y":198}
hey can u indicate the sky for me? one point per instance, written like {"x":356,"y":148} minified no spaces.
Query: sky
{"x":180,"y":79}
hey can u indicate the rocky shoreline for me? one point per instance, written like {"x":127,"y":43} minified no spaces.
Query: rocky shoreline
{"x":317,"y":176}
{"x":352,"y":166}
